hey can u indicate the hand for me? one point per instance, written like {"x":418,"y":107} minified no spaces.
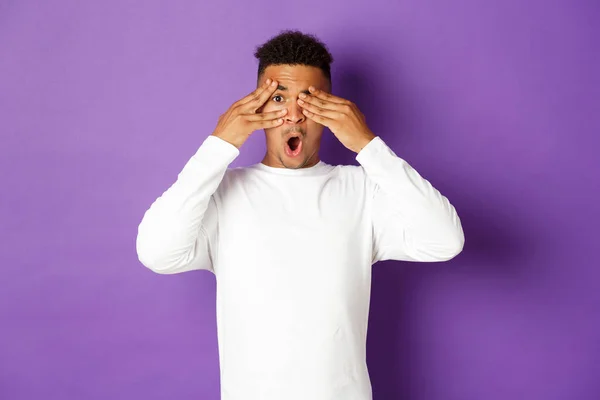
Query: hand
{"x":341,"y":116}
{"x":241,"y":119}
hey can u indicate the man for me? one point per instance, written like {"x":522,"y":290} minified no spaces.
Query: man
{"x":291,"y":240}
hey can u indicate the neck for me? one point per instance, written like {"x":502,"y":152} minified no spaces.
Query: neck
{"x":278,"y":162}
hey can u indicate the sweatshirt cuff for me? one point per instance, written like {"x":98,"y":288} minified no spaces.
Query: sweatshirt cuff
{"x":372,"y":150}
{"x":214,"y":147}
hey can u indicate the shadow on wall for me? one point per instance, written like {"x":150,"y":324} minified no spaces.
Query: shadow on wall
{"x":493,"y":238}
{"x":383,"y":102}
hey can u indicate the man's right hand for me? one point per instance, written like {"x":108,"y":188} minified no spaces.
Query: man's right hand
{"x":241,"y":119}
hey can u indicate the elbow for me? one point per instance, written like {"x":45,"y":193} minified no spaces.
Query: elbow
{"x":165,"y":260}
{"x":436,"y":251}
{"x":152,"y":262}
{"x":453,"y":247}
{"x":151,"y":259}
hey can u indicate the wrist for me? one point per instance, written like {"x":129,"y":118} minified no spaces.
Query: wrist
{"x":365,"y":142}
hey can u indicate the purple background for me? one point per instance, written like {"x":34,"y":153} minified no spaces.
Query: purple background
{"x":496,"y":103}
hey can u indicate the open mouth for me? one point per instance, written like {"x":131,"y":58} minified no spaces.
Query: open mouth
{"x":293,"y":146}
{"x":293,"y":142}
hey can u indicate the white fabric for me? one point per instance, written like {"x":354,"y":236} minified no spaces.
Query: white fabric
{"x":292,"y":252}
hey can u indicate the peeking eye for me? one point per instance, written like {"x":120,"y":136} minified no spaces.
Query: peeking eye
{"x":276,"y":96}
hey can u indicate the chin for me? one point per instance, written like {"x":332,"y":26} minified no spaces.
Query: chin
{"x":293,"y":162}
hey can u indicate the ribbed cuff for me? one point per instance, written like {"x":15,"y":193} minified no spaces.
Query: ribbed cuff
{"x":216,"y":148}
{"x":374,"y":147}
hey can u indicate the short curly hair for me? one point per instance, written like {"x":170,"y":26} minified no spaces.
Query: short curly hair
{"x":295,"y":48}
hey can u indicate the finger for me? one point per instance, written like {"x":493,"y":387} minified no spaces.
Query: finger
{"x":252,"y":95}
{"x":256,"y":92}
{"x":267,"y":115}
{"x":320,"y":102}
{"x":318,"y":118}
{"x":261,"y":99}
{"x":318,"y":110}
{"x":265,"y":123}
{"x":327,"y":96}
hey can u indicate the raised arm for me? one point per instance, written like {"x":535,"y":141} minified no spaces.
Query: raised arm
{"x":178,"y":232}
{"x":411,"y":220}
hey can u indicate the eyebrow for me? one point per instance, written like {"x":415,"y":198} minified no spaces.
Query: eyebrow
{"x":284,"y":88}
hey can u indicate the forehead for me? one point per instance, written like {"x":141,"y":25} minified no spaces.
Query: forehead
{"x":296,"y":77}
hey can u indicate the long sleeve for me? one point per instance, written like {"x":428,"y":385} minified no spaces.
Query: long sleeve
{"x":411,"y":220}
{"x":179,"y":232}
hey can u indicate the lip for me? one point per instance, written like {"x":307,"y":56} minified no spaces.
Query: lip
{"x":295,"y":134}
{"x":287,"y":149}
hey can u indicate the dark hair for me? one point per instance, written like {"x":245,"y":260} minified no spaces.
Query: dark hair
{"x":294,"y":48}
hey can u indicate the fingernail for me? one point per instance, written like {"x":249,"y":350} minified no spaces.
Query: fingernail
{"x":273,"y":83}
{"x":268,"y":81}
{"x":302,"y":95}
{"x":312,"y":88}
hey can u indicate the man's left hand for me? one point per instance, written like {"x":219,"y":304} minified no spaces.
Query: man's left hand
{"x":341,"y":116}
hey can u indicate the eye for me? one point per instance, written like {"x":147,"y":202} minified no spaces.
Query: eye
{"x":276,"y":96}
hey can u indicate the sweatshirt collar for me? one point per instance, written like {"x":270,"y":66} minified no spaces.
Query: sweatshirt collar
{"x":316,"y":169}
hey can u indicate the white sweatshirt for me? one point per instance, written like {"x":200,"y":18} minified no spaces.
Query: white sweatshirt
{"x":292,"y":252}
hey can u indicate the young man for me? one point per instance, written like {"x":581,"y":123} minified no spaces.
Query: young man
{"x":291,"y":240}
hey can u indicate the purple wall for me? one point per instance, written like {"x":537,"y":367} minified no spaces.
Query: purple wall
{"x":496,"y":104}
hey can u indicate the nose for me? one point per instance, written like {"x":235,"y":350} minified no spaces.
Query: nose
{"x":294,"y":114}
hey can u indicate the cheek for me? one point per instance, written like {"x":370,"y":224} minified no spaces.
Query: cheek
{"x":273,"y":133}
{"x":313,"y":126}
